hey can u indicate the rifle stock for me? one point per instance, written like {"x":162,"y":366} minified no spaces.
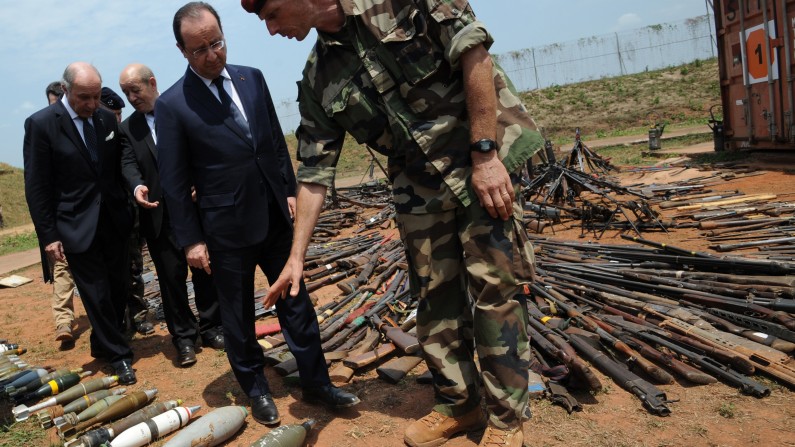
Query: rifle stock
{"x":558,"y":348}
{"x":396,"y":369}
{"x":368,"y":358}
{"x":342,"y":373}
{"x":407,"y":343}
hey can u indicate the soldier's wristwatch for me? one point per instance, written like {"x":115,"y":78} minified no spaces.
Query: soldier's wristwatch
{"x":483,"y":146}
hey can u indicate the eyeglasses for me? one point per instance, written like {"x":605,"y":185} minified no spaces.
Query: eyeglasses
{"x":215,"y":46}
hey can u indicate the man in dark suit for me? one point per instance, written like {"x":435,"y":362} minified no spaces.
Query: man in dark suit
{"x":57,"y":273}
{"x":139,"y":167}
{"x":137,"y":309}
{"x":74,"y":191}
{"x":218,"y":130}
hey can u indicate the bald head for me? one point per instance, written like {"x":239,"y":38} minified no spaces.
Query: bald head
{"x":140,"y":86}
{"x":82,"y":86}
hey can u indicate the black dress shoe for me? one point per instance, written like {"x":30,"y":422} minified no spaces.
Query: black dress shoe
{"x":144,"y":328}
{"x":331,"y":396}
{"x":124,"y":370}
{"x":186,"y":356}
{"x":264,"y":410}
{"x":215,"y":341}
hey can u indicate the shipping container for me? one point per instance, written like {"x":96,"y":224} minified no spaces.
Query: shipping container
{"x":755,"y":55}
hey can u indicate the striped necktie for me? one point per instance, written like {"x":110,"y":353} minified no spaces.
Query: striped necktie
{"x":90,"y":136}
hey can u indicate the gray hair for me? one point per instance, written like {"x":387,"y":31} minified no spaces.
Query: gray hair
{"x":70,"y":73}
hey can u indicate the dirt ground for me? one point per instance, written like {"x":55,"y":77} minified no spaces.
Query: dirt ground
{"x":712,"y":415}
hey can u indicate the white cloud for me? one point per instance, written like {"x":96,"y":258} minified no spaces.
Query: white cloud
{"x":27,"y":107}
{"x":629,"y":20}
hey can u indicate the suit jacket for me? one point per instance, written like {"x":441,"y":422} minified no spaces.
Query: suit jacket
{"x":200,"y":144}
{"x":63,"y":187}
{"x":139,"y":167}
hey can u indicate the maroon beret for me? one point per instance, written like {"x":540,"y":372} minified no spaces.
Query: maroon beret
{"x":252,"y":6}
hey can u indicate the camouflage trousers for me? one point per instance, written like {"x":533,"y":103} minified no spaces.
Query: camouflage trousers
{"x":467,"y":270}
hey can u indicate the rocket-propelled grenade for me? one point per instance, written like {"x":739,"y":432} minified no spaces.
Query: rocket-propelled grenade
{"x":53,"y":416}
{"x":155,"y":428}
{"x":119,"y":409}
{"x":97,"y":437}
{"x":211,"y":429}
{"x":51,"y":388}
{"x":17,"y":392}
{"x":292,"y":435}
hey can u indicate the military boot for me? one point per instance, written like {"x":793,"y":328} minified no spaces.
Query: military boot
{"x":435,"y":428}
{"x":499,"y":437}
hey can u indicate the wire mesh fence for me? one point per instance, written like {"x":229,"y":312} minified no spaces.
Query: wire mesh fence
{"x":607,"y":55}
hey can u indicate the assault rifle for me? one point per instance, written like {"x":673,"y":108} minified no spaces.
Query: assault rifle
{"x":652,"y":397}
{"x":552,"y":344}
{"x":697,"y":357}
{"x":607,"y":334}
{"x":682,"y":369}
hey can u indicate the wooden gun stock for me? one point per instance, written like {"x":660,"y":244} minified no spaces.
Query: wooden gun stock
{"x":396,"y":369}
{"x":368,"y":358}
{"x":407,"y":343}
{"x":342,"y":373}
{"x":316,"y":272}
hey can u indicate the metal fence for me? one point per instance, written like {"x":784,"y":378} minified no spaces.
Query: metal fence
{"x":608,"y":55}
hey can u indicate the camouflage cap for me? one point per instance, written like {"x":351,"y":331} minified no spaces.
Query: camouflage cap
{"x":252,"y":6}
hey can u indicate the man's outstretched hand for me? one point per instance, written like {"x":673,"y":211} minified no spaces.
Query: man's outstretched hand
{"x":289,"y":281}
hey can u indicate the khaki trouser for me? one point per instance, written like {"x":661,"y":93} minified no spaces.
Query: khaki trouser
{"x":63,"y":309}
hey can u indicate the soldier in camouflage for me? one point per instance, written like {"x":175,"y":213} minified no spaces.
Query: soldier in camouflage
{"x":413,"y":80}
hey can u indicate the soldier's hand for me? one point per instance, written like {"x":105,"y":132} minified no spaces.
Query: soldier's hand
{"x":55,"y":252}
{"x":198,"y":257}
{"x":291,"y":206}
{"x":142,"y":198}
{"x":492,"y":184}
{"x":290,"y":277}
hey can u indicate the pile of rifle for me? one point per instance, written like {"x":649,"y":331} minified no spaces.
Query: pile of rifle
{"x":370,"y":323}
{"x":372,"y":194}
{"x":579,"y":188}
{"x":331,"y":259}
{"x":731,"y":220}
{"x":330,"y":222}
{"x":644,"y":315}
{"x":649,"y":316}
{"x":353,"y":258}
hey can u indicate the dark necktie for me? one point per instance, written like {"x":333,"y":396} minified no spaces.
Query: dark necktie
{"x":90,"y":136}
{"x":230,"y":105}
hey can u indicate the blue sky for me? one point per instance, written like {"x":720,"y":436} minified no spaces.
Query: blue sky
{"x":41,"y":37}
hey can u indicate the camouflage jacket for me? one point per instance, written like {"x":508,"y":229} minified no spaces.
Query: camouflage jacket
{"x":391,"y":77}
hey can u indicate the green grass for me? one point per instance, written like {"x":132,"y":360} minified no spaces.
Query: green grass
{"x":720,"y":157}
{"x":13,"y":243}
{"x":627,"y":105}
{"x":354,"y":159}
{"x":27,"y":433}
{"x":638,"y":154}
{"x":12,"y":196}
{"x":727,"y":410}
